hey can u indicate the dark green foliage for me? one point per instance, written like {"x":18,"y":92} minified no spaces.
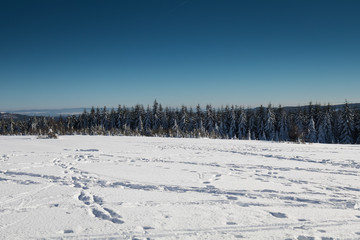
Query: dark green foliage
{"x":313,"y":123}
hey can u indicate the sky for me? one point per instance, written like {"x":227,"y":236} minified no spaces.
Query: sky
{"x":72,"y":53}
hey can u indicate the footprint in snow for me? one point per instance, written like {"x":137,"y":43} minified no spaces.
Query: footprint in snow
{"x":84,"y":197}
{"x":116,"y":220}
{"x":99,"y":214}
{"x":98,"y":200}
{"x":87,"y":150}
{"x":305,"y":238}
{"x":231,"y":198}
{"x":278,"y":214}
{"x":102,"y":215}
{"x":238,"y":236}
{"x":147,"y":228}
{"x":230,"y":223}
{"x":112,"y":213}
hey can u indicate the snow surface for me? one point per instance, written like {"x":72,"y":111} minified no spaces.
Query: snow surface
{"x":102,"y":187}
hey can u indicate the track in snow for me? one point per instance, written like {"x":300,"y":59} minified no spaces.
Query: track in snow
{"x":82,"y":187}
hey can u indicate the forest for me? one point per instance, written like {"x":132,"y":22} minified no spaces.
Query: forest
{"x":313,"y":123}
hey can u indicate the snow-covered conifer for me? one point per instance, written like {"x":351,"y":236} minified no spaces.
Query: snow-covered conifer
{"x":269,"y":128}
{"x":156,"y":113}
{"x":184,"y":119}
{"x":325,"y":134}
{"x":346,"y":125}
{"x":242,"y":126}
{"x":299,"y":130}
{"x":260,"y":123}
{"x":147,"y":123}
{"x":311,"y":131}
{"x":283,"y":134}
{"x":209,"y":118}
{"x":232,"y":127}
{"x":175,"y":129}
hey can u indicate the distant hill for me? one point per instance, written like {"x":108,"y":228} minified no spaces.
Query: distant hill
{"x":4,"y":115}
{"x":355,"y":106}
{"x":49,"y":112}
{"x":23,"y":114}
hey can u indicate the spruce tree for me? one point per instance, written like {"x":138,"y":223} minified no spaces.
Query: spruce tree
{"x":175,"y":129}
{"x":346,"y":125}
{"x":260,"y":123}
{"x":269,"y":128}
{"x":311,"y":131}
{"x":199,"y":117}
{"x":252,"y":126}
{"x":299,"y":126}
{"x":140,"y":126}
{"x":242,"y":127}
{"x":184,"y":120}
{"x":209,"y":119}
{"x":325,"y":134}
{"x":147,"y":124}
{"x":283,"y":127}
{"x":357,"y":126}
{"x":156,"y":116}
{"x":232,"y":127}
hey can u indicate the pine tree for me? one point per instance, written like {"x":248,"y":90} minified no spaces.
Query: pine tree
{"x":232,"y":127}
{"x":184,"y":120}
{"x":10,"y":127}
{"x":98,"y":117}
{"x":175,"y":129}
{"x":140,"y":126}
{"x":222,"y":129}
{"x":242,"y":127}
{"x":260,"y":123}
{"x":299,"y":130}
{"x":209,"y":119}
{"x":269,"y":128}
{"x":147,"y":126}
{"x":2,"y":127}
{"x":192,"y":122}
{"x":325,"y":134}
{"x":104,"y":122}
{"x":112,"y":121}
{"x":357,"y":126}
{"x":346,"y":125}
{"x":156,"y":116}
{"x":252,"y":126}
{"x":199,"y":117}
{"x":311,"y":131}
{"x":201,"y":132}
{"x":164,"y":119}
{"x":283,"y":134}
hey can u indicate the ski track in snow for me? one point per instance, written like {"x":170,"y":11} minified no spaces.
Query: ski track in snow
{"x":96,"y":187}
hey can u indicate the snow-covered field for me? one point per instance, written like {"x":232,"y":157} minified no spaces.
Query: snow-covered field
{"x":99,"y":187}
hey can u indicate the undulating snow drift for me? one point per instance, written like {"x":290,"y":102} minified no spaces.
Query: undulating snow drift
{"x":100,"y":187}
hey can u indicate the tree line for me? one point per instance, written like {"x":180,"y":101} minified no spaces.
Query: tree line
{"x":312,"y":123}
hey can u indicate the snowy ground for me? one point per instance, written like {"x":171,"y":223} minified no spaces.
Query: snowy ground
{"x":96,"y":187}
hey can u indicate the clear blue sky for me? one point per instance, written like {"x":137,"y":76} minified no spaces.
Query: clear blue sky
{"x":69,"y":53}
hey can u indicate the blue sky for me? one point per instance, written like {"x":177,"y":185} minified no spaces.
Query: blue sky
{"x":64,"y":54}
